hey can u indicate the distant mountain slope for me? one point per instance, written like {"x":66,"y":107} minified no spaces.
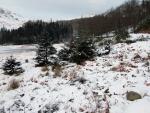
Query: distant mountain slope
{"x":127,"y":15}
{"x":10,"y":20}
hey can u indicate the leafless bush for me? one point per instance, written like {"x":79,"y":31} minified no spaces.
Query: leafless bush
{"x":57,"y":69}
{"x":71,"y":74}
{"x":2,"y":110}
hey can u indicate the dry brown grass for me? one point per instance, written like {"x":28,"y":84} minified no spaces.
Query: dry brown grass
{"x":45,"y":68}
{"x":145,"y":30}
{"x":57,"y":69}
{"x":72,"y":74}
{"x":120,"y":68}
{"x":124,"y":67}
{"x":14,"y":84}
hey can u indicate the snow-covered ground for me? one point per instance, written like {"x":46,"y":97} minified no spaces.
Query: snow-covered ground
{"x":10,"y":20}
{"x":93,"y":88}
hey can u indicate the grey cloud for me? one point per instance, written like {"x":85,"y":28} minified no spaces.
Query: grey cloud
{"x":58,"y":9}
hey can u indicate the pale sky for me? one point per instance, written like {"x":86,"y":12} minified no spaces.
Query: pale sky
{"x":58,"y":9}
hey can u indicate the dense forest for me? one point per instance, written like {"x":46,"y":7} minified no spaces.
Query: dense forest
{"x":31,"y":32}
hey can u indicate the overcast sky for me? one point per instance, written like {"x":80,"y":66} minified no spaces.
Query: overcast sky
{"x":58,"y":9}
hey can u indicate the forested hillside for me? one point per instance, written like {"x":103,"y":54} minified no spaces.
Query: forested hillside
{"x":128,"y":15}
{"x":133,"y":14}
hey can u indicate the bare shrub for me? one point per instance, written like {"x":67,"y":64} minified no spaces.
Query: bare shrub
{"x":81,"y":80}
{"x":120,"y":68}
{"x":106,"y":105}
{"x":34,"y":80}
{"x":57,"y":69}
{"x":70,"y":75}
{"x":137,"y":58}
{"x":47,"y":73}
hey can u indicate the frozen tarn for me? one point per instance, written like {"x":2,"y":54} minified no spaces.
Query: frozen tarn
{"x":16,"y":49}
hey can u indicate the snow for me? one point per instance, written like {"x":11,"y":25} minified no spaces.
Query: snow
{"x":105,"y":86}
{"x":140,"y":106}
{"x":10,"y":20}
{"x":59,"y":46}
{"x":139,"y":36}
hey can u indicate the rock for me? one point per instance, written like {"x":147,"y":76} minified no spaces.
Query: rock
{"x":132,"y":96}
{"x":106,"y":91}
{"x":22,"y":95}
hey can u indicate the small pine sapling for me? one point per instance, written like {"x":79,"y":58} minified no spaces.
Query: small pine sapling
{"x":11,"y":66}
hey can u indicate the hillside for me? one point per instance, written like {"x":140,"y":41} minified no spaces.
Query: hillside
{"x":127,"y":15}
{"x":100,"y":86}
{"x":10,"y":20}
{"x":144,"y":26}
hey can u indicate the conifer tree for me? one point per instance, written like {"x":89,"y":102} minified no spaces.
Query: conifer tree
{"x":64,"y":54}
{"x":78,"y":51}
{"x":11,"y":66}
{"x":82,"y":50}
{"x":121,"y":35}
{"x":45,"y":49}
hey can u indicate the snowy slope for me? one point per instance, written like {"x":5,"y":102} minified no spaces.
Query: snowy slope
{"x":107,"y":80}
{"x":10,"y":20}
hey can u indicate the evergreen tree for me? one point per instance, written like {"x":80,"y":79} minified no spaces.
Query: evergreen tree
{"x":82,"y":50}
{"x":78,"y":51}
{"x":64,"y":54}
{"x":144,"y":24}
{"x":106,"y":50}
{"x":31,"y":30}
{"x":121,"y":35}
{"x":11,"y":66}
{"x":45,"y":49}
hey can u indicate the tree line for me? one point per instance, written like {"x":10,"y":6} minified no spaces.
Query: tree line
{"x":31,"y":32}
{"x":127,"y":15}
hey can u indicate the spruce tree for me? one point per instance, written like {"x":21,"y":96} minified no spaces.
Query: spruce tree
{"x":11,"y":66}
{"x":82,"y":50}
{"x":78,"y":51}
{"x":121,"y":35}
{"x":45,"y":49}
{"x":64,"y":54}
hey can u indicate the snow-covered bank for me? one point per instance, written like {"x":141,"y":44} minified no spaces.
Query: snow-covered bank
{"x":94,"y":88}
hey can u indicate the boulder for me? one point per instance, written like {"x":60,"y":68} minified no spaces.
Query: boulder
{"x":132,"y":96}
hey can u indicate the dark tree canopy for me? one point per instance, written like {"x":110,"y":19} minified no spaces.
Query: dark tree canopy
{"x":30,"y":31}
{"x":45,"y":49}
{"x":121,"y":35}
{"x":83,"y":50}
{"x":11,"y":66}
{"x":78,"y":51}
{"x":144,"y":25}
